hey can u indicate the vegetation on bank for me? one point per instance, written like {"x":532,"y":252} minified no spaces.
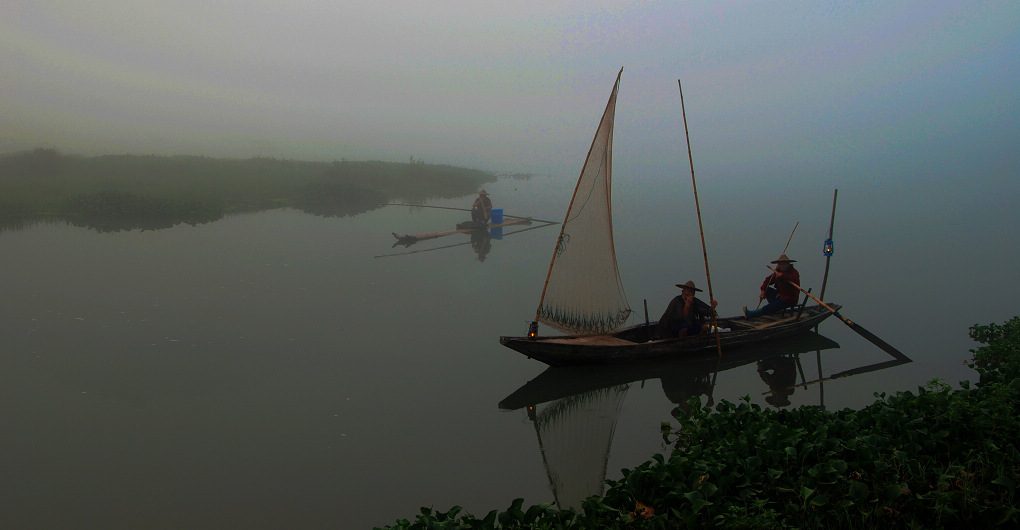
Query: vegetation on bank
{"x":938,"y":458}
{"x":119,"y":192}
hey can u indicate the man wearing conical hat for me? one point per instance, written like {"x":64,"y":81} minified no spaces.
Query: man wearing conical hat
{"x":481,"y":209}
{"x":686,"y":315}
{"x":777,"y":288}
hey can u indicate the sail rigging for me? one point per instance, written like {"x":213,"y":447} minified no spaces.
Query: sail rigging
{"x":583,"y":293}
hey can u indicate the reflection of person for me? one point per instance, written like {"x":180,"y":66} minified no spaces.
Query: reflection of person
{"x":686,"y":315}
{"x":781,"y":376}
{"x":681,"y":387}
{"x":481,"y":209}
{"x":481,"y":242}
{"x":778,"y":289}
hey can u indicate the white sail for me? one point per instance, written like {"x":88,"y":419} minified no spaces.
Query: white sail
{"x":583,"y":292}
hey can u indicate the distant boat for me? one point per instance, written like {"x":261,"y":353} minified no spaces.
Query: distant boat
{"x":583,"y":295}
{"x":465,"y":227}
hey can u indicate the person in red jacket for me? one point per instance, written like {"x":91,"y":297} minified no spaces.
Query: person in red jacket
{"x":777,"y":289}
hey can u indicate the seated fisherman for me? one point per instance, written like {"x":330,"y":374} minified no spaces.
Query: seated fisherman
{"x":778,"y":289}
{"x":686,"y":315}
{"x":481,"y":209}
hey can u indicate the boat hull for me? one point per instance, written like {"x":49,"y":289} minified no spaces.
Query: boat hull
{"x":558,"y":382}
{"x":633,"y":343}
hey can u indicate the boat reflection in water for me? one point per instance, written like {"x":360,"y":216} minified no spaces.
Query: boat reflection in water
{"x":574,"y":410}
{"x":480,"y":237}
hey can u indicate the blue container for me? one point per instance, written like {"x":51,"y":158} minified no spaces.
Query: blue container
{"x":496,"y":216}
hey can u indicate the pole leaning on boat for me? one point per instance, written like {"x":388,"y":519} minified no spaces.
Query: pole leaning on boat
{"x":697,"y":207}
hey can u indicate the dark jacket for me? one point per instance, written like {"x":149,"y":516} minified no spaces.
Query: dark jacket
{"x":480,"y":209}
{"x":674,"y":319}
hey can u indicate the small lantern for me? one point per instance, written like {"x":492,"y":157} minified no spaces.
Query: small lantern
{"x":828,"y":247}
{"x":533,"y":330}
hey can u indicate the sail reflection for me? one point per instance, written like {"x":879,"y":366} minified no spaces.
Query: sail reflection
{"x":575,"y":434}
{"x":574,"y":410}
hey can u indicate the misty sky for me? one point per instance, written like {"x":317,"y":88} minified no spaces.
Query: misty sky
{"x":797,"y":87}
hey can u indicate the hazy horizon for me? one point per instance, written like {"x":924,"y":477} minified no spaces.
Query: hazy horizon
{"x":795,"y":89}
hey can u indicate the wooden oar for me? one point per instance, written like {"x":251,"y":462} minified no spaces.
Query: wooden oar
{"x":854,"y":326}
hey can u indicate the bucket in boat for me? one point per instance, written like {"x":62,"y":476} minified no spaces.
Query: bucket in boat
{"x":495,"y":216}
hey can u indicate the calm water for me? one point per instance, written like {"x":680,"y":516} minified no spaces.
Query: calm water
{"x":281,"y":370}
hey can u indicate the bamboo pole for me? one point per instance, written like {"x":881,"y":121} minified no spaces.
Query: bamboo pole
{"x":462,"y":210}
{"x":701,"y":230}
{"x":791,"y":237}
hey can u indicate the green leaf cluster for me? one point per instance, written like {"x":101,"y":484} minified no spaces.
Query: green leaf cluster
{"x":935,"y":458}
{"x":996,"y":360}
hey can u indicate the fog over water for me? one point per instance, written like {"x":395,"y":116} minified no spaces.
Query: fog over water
{"x":242,"y":371}
{"x":278,"y":368}
{"x":860,"y":91}
{"x":913,"y":98}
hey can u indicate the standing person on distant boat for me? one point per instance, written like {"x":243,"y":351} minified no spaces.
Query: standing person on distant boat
{"x":481,"y":209}
{"x":778,"y":289}
{"x":686,"y":315}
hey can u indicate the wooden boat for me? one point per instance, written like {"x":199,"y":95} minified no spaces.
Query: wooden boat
{"x":639,"y":342}
{"x":465,"y":227}
{"x":559,"y":382}
{"x":583,"y":294}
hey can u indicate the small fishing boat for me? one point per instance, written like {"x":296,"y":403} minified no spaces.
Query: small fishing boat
{"x":583,"y":295}
{"x":640,"y":342}
{"x":465,"y":227}
{"x":562,"y":382}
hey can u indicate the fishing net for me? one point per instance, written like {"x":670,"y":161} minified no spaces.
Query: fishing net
{"x":584,"y":293}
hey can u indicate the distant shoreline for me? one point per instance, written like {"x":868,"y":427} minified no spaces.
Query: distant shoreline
{"x":125,"y":192}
